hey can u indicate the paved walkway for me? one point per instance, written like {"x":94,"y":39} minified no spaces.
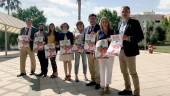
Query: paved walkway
{"x":153,"y":69}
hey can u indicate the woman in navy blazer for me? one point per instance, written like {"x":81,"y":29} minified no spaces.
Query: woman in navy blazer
{"x":66,"y":58}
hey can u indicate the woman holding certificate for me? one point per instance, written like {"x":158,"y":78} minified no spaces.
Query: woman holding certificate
{"x":52,"y":42}
{"x":66,"y":55}
{"x":79,"y":42}
{"x":105,"y":62}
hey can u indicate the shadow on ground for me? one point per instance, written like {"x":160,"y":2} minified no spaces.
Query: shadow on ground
{"x":62,"y":88}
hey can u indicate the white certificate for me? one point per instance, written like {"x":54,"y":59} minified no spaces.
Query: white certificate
{"x":39,"y":43}
{"x":65,"y":47}
{"x":50,"y":50}
{"x":101,"y":48}
{"x":90,"y":42}
{"x":23,"y":41}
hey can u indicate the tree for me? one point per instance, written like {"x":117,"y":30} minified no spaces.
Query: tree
{"x":159,"y":35}
{"x":10,"y":5}
{"x":111,"y":15}
{"x":150,"y":30}
{"x":33,"y":12}
{"x":165,"y":24}
{"x":58,"y":29}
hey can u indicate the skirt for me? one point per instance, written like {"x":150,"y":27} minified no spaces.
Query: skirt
{"x":66,"y":57}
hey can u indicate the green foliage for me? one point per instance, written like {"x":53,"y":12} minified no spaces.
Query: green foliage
{"x":166,"y":26}
{"x":161,"y":33}
{"x":58,"y":29}
{"x":111,"y":15}
{"x":10,"y":5}
{"x":33,"y":12}
{"x":12,"y":38}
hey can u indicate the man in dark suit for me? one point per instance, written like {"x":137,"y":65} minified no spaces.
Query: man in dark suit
{"x":92,"y":61}
{"x":24,"y":51}
{"x":41,"y":53}
{"x":132,"y":35}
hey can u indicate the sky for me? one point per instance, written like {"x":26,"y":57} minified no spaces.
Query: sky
{"x":59,"y":11}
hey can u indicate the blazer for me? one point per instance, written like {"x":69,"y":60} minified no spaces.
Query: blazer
{"x":95,"y":29}
{"x":88,"y":31}
{"x":33,"y":31}
{"x":69,"y":35}
{"x":135,"y":33}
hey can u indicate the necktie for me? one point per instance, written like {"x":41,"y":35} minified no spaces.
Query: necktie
{"x":27,"y":30}
{"x":92,"y":28}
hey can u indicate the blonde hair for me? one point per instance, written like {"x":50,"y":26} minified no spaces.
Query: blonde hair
{"x":101,"y":25}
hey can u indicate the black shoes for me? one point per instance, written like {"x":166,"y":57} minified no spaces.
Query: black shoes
{"x":76,"y":80}
{"x":53,"y":76}
{"x":39,"y":75}
{"x":125,"y":92}
{"x":91,"y":83}
{"x":32,"y":73}
{"x":97,"y":86}
{"x":22,"y":74}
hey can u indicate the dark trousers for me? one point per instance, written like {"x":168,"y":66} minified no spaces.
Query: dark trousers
{"x":54,"y":65}
{"x":43,"y":61}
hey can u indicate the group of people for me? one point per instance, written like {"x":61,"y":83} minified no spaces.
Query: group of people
{"x":100,"y":68}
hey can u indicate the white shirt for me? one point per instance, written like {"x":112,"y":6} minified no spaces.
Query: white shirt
{"x":122,"y":27}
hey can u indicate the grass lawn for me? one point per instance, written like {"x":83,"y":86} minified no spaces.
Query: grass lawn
{"x":162,"y":49}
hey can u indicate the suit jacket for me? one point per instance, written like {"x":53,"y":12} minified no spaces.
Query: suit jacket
{"x":88,"y":31}
{"x":135,"y":33}
{"x":95,"y":29}
{"x":33,"y":31}
{"x":69,"y":35}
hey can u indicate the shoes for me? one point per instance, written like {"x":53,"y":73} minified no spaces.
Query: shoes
{"x":107,"y":91}
{"x":22,"y":74}
{"x":97,"y":86}
{"x":32,"y":73}
{"x":76,"y":79}
{"x":69,"y":77}
{"x":91,"y":83}
{"x":53,"y":76}
{"x":45,"y":75}
{"x":39,"y":75}
{"x":125,"y":92}
{"x":85,"y":78}
{"x":136,"y":95}
{"x":102,"y":92}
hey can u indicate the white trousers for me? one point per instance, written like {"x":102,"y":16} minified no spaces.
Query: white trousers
{"x":106,"y":66}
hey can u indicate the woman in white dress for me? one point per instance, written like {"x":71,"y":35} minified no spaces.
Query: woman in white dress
{"x":66,"y":57}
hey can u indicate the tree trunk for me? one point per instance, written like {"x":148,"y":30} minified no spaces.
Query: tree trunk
{"x":79,"y":9}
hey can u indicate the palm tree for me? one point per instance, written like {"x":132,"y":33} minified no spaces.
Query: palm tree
{"x":79,"y":9}
{"x":10,"y":5}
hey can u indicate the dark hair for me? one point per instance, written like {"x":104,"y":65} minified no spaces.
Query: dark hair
{"x":79,"y":23}
{"x":49,"y":30}
{"x":126,"y":7}
{"x":28,"y":19}
{"x":91,"y":15}
{"x":41,"y":24}
{"x":61,"y":26}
